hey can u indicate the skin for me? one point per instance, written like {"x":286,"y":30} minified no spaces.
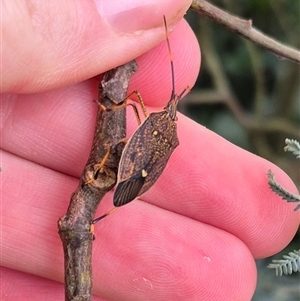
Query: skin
{"x":194,"y":235}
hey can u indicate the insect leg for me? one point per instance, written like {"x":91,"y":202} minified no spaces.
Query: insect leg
{"x":100,"y":166}
{"x":104,"y":215}
{"x":124,"y":103}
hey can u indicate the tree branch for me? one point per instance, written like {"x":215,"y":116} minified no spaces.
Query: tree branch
{"x":245,"y":29}
{"x":74,"y":227}
{"x":279,"y":125}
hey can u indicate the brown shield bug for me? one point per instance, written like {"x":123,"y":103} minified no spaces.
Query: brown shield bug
{"x":147,"y":152}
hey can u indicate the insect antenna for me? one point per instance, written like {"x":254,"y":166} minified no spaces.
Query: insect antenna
{"x":171,"y":59}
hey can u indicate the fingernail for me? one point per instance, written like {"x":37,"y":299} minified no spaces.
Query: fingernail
{"x":133,"y":15}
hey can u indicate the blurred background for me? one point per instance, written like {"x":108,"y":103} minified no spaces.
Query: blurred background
{"x":252,"y":98}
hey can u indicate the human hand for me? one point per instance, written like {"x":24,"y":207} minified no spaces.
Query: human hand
{"x":192,"y":236}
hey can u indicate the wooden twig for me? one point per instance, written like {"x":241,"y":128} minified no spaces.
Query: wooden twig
{"x":74,"y":227}
{"x":245,"y":29}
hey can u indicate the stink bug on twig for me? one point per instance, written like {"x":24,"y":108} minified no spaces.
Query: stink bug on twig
{"x":147,"y":152}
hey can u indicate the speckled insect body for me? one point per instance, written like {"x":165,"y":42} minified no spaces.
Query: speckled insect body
{"x":147,"y":152}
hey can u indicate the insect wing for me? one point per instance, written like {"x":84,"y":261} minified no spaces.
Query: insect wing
{"x":128,"y":190}
{"x":136,"y":153}
{"x":148,"y":151}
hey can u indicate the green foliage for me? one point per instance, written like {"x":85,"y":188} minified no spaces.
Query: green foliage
{"x":292,"y":146}
{"x":289,"y":264}
{"x":279,"y":190}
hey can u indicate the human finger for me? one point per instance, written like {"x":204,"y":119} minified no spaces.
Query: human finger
{"x":214,"y":181}
{"x":140,"y":241}
{"x":55,"y":128}
{"x":30,"y":287}
{"x":50,"y":46}
{"x":211,"y":180}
